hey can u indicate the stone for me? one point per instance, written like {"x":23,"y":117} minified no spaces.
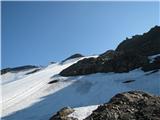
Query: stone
{"x":63,"y":114}
{"x":129,"y":55}
{"x":132,"y":105}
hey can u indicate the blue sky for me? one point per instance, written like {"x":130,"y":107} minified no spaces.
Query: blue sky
{"x":40,"y":32}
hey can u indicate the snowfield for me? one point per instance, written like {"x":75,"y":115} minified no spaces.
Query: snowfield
{"x":11,"y":76}
{"x":83,"y":112}
{"x":31,"y":97}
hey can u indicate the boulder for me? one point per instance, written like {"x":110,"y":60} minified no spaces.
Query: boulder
{"x":133,"y":105}
{"x":63,"y":114}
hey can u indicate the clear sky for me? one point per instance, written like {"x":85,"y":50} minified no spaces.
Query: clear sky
{"x":40,"y":32}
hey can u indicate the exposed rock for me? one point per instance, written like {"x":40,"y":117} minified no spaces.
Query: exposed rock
{"x":119,"y":62}
{"x":34,"y":71}
{"x":82,"y":67}
{"x":147,"y":44}
{"x":53,"y":81}
{"x":108,"y":55}
{"x":155,"y":65}
{"x":4,"y":71}
{"x":133,"y":105}
{"x":128,"y":81}
{"x":63,"y":114}
{"x":52,"y":62}
{"x":126,"y":62}
{"x":131,"y":54}
{"x":16,"y":69}
{"x":73,"y":56}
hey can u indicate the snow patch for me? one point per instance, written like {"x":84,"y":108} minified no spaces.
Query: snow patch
{"x":82,"y":112}
{"x":151,"y":58}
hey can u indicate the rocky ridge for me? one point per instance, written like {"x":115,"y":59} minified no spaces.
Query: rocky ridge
{"x":130,"y":54}
{"x":17,"y":69}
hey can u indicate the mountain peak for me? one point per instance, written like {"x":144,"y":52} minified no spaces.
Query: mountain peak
{"x":77,"y":55}
{"x":146,"y":44}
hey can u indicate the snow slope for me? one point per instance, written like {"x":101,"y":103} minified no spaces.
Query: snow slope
{"x":83,"y":112}
{"x":32,"y":98}
{"x":11,"y":76}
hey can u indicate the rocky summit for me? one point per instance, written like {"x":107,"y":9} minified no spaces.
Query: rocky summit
{"x":130,"y":54}
{"x":147,"y":44}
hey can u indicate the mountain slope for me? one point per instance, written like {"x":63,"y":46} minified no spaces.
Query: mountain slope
{"x":45,"y":99}
{"x":130,"y":54}
{"x":39,"y":95}
{"x":131,"y":105}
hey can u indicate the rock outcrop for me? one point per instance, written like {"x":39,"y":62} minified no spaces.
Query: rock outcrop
{"x":34,"y":71}
{"x":16,"y":69}
{"x":155,"y":65}
{"x":133,"y":105}
{"x":119,"y":62}
{"x":63,"y":114}
{"x":147,"y":44}
{"x":131,"y":54}
{"x":77,"y":55}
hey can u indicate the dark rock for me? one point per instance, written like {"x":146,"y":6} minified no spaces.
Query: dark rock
{"x":120,"y":62}
{"x":128,"y":81}
{"x":125,"y":62}
{"x":109,"y":55}
{"x":131,"y":54}
{"x":52,"y":62}
{"x":82,"y":67}
{"x":34,"y":71}
{"x":155,"y":65}
{"x":63,"y":114}
{"x":16,"y":69}
{"x":147,"y":44}
{"x":133,"y":105}
{"x":4,"y":71}
{"x":73,"y":56}
{"x":53,"y":81}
